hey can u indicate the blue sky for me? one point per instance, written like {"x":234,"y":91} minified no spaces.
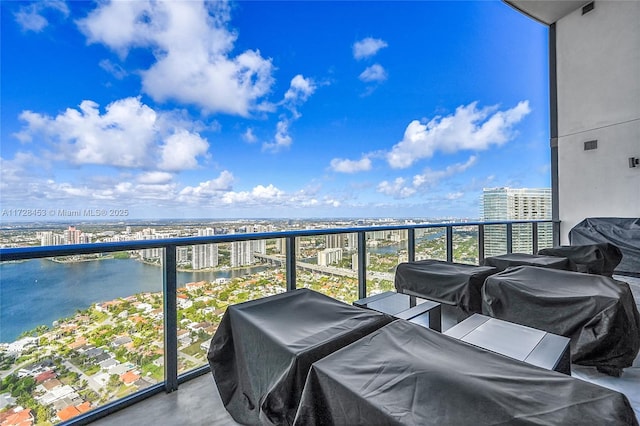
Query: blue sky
{"x":263,"y":109}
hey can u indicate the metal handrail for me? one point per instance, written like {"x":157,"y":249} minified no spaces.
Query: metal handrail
{"x":38,"y":252}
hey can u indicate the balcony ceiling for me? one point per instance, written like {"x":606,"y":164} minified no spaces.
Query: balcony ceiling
{"x":546,"y":11}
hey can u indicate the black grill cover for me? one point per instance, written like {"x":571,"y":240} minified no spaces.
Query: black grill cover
{"x":404,"y":374}
{"x":509,"y":260}
{"x":597,"y":313}
{"x":623,"y":233}
{"x":452,"y":283}
{"x":599,"y":259}
{"x":263,"y":349}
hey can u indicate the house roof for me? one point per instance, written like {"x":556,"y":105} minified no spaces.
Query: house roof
{"x":129,"y":377}
{"x":44,"y":376}
{"x":20,"y":418}
{"x":68,"y":412}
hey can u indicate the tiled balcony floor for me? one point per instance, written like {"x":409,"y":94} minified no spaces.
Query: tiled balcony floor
{"x":197,"y":402}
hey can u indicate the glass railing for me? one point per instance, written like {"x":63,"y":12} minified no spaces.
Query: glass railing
{"x":89,"y":329}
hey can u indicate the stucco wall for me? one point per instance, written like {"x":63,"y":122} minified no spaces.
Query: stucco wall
{"x":598,"y":74}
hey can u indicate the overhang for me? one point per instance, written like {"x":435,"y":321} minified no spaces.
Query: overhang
{"x":546,"y":11}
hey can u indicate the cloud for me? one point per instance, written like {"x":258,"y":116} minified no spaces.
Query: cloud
{"x":114,"y":69}
{"x":367,"y":47}
{"x":258,"y":195}
{"x":129,"y":134}
{"x":211,"y":188}
{"x":248,"y":136}
{"x":192,"y":46}
{"x":396,"y":189}
{"x":341,"y":165}
{"x":29,"y":180}
{"x":374,"y":73}
{"x":454,"y":195}
{"x":400,"y":188}
{"x":429,"y":178}
{"x":282,"y":139}
{"x":155,"y":178}
{"x":181,"y":150}
{"x":300,"y":89}
{"x":469,"y":128}
{"x":31,"y":17}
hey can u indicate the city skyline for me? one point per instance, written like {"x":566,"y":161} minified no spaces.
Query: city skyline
{"x":372,"y":109}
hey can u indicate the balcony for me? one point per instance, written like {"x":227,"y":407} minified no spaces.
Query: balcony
{"x":176,"y":387}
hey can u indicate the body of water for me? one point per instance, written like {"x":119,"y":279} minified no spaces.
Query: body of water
{"x":38,"y":292}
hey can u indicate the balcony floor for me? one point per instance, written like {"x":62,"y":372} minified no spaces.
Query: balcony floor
{"x":197,"y":402}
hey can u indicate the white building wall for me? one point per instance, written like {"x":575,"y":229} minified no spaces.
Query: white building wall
{"x":598,"y":75}
{"x":328,"y":256}
{"x":204,"y":255}
{"x":500,"y":204}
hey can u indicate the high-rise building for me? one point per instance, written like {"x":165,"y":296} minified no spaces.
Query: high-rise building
{"x":499,"y":204}
{"x":150,"y":253}
{"x":242,"y":251}
{"x":204,"y":255}
{"x":281,"y":247}
{"x":72,"y":235}
{"x":334,"y":241}
{"x":328,"y":256}
{"x":352,"y":241}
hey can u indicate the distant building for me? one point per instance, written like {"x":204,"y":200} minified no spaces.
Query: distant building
{"x":182,"y":255}
{"x":334,"y":241}
{"x":150,"y":253}
{"x":281,"y":246}
{"x":242,"y":251}
{"x":328,"y":256}
{"x":204,"y":255}
{"x":515,"y":204}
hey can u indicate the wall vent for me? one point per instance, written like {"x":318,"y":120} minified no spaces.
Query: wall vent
{"x":589,"y":145}
{"x":588,"y":7}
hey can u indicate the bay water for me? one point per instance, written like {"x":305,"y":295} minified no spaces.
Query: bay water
{"x":39,"y":292}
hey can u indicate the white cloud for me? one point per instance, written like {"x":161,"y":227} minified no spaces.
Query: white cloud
{"x":128,"y":134}
{"x":114,"y":69}
{"x":454,"y":195}
{"x":282,"y":137}
{"x":155,"y":178}
{"x":31,"y":17}
{"x":469,"y":128}
{"x":211,"y":188}
{"x":300,"y":89}
{"x":341,"y":165}
{"x":400,"y":188}
{"x":192,"y":46}
{"x":430,"y":178}
{"x":258,"y":195}
{"x":367,"y":47}
{"x":396,"y":189}
{"x":374,"y":73}
{"x":181,"y":150}
{"x":248,"y":136}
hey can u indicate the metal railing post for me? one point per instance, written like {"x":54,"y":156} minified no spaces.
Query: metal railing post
{"x":480,"y":244}
{"x":169,"y":283}
{"x":449,"y":243}
{"x":534,"y":237}
{"x":291,"y":263}
{"x":509,"y":237}
{"x":411,"y":244}
{"x":362,"y":265}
